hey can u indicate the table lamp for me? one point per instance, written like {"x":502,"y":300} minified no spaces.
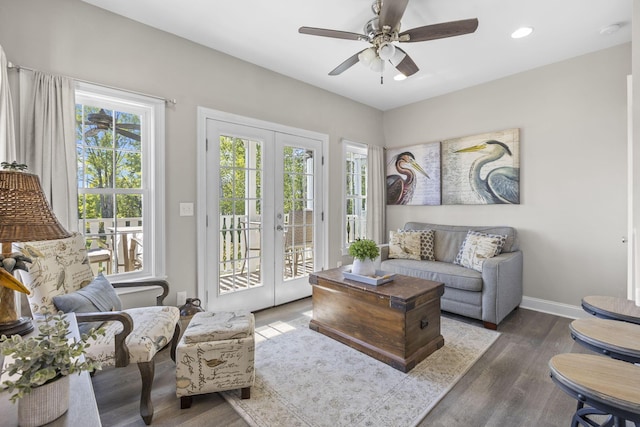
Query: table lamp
{"x":25,"y":216}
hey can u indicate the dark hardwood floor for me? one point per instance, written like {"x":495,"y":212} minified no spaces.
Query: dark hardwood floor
{"x":509,"y":386}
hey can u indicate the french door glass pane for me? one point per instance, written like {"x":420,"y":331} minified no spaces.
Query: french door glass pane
{"x":297,"y":253}
{"x":239,"y":214}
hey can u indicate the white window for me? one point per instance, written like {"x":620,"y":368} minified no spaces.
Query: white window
{"x":355,"y":192}
{"x":120,"y":155}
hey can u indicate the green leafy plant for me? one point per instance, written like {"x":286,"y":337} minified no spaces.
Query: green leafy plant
{"x":364,"y":249}
{"x":40,"y":359}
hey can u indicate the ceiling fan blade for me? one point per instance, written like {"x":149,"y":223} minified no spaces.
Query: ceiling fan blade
{"x":331,"y":33}
{"x":405,"y":65}
{"x":439,"y":31}
{"x":128,"y":134}
{"x":92,"y":132}
{"x":346,"y":64}
{"x":128,"y":125}
{"x":391,"y":13}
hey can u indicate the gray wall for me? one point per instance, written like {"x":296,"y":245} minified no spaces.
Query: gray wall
{"x":572,"y":117}
{"x":73,"y":38}
{"x":573,"y":153}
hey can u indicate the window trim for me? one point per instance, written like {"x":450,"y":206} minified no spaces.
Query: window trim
{"x":153,"y":147}
{"x":348,"y":146}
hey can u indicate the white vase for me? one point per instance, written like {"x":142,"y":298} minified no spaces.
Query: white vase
{"x":363,"y":267}
{"x":44,"y":404}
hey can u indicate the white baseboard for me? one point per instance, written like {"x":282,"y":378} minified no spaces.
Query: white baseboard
{"x":552,"y":307}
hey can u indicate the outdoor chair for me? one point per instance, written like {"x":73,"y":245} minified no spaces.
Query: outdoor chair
{"x":298,"y":237}
{"x":60,"y":278}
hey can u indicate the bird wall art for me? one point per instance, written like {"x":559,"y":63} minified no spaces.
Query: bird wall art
{"x":477,"y":169}
{"x":413,"y":175}
{"x":482,"y":169}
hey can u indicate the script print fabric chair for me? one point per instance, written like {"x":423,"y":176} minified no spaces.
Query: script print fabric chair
{"x":60,"y":273}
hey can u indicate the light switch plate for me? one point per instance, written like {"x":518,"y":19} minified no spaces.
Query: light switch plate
{"x":186,"y":209}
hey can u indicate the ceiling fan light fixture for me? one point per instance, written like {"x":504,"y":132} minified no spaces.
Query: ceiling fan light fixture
{"x":522,"y":32}
{"x":399,"y":77}
{"x":377,"y":65}
{"x":367,"y":56}
{"x":386,"y":51}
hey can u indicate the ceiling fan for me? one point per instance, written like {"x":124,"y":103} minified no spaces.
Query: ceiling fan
{"x":383,"y":30}
{"x":101,"y":121}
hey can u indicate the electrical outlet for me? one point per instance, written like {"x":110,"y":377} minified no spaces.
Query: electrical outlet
{"x":181,"y":298}
{"x":186,"y":209}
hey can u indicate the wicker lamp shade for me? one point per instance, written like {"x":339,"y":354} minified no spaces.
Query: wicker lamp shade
{"x":25,"y":213}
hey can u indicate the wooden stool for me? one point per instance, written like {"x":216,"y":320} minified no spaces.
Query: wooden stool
{"x":607,"y":386}
{"x":613,"y":338}
{"x":612,"y":308}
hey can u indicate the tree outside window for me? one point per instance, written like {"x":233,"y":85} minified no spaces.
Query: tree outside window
{"x":115,"y":205}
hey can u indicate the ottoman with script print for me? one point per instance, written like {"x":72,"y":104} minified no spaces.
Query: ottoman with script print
{"x":216,"y":353}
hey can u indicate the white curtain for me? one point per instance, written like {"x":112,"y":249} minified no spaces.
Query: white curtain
{"x":376,"y":202}
{"x":47,"y":140}
{"x":7,"y":129}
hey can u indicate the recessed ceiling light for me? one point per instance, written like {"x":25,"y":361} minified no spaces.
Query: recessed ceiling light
{"x":609,"y":29}
{"x":399,"y":77}
{"x":522,"y":32}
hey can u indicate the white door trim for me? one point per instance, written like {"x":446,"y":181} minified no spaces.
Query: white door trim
{"x":201,"y":208}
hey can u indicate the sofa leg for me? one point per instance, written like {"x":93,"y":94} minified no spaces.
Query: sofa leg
{"x":147,"y":370}
{"x":185,"y":402}
{"x":245,"y":393}
{"x":489,"y":325}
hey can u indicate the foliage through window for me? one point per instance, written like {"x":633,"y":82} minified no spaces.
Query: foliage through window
{"x":117,"y":142}
{"x":355,"y":192}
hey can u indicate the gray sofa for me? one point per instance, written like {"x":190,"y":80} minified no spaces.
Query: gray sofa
{"x":488,"y":296}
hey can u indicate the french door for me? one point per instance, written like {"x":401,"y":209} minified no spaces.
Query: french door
{"x":264,"y":216}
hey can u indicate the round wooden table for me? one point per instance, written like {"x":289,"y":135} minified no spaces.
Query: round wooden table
{"x":606,"y":386}
{"x":612,"y":308}
{"x":613,"y":338}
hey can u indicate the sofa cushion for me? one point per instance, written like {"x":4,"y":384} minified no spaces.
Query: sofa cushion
{"x":404,"y":245}
{"x":453,"y":276}
{"x":477,"y":247}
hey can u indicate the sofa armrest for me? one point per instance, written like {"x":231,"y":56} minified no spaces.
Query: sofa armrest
{"x":384,"y":251}
{"x":502,"y":286}
{"x":151,"y":282}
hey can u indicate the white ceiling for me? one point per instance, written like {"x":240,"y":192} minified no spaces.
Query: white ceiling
{"x":266,"y":33}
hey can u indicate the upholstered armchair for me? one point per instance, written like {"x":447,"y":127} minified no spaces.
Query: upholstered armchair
{"x":60,"y":278}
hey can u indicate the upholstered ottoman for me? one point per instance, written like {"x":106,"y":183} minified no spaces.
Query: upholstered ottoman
{"x":216,"y":353}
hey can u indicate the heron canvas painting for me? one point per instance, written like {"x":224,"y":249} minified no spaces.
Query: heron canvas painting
{"x":482,"y":169}
{"x":413,"y":175}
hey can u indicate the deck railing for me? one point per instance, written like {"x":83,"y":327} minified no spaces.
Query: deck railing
{"x":233,"y":245}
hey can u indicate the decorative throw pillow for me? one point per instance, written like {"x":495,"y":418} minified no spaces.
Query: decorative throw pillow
{"x":97,"y":296}
{"x":59,"y":267}
{"x":427,"y":244}
{"x":404,"y":245}
{"x":477,"y":247}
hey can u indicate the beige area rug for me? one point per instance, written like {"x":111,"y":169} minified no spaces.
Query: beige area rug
{"x":304,"y":378}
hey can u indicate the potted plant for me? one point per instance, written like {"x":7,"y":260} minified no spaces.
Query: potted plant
{"x":364,"y":251}
{"x":38,"y":374}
